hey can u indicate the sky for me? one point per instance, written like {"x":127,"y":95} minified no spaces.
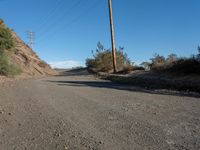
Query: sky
{"x":66,"y":31}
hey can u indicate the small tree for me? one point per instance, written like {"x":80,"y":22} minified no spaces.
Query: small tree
{"x":158,"y":60}
{"x":100,"y":47}
{"x":172,"y":58}
{"x":102,"y":59}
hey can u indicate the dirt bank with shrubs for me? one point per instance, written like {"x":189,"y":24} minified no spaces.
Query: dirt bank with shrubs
{"x":157,"y":81}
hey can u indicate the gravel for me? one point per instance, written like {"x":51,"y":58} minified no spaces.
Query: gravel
{"x":82,"y":112}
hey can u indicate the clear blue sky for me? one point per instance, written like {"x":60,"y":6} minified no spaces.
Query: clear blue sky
{"x":67,"y":30}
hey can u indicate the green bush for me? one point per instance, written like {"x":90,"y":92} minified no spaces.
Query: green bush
{"x":6,"y":40}
{"x":6,"y":68}
{"x":6,"y":43}
{"x":102,"y":60}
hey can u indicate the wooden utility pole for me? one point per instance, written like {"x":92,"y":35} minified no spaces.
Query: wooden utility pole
{"x":112,"y":36}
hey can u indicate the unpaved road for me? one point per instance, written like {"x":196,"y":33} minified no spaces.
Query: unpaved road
{"x":80,"y":112}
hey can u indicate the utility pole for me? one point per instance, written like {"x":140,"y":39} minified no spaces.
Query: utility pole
{"x":31,"y":36}
{"x":112,"y":36}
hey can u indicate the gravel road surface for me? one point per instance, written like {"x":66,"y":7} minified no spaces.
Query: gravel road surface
{"x":80,"y":112}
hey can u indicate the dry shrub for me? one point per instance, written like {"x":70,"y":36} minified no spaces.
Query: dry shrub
{"x":102,"y":60}
{"x":183,"y":66}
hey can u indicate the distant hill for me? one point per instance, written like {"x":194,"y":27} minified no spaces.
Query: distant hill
{"x":23,"y":56}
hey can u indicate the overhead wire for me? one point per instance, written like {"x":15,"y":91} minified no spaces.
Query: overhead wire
{"x":54,"y":32}
{"x":44,"y":20}
{"x":59,"y":19}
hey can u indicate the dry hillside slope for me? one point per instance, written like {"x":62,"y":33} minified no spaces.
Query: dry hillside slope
{"x":23,"y":56}
{"x":28,"y":61}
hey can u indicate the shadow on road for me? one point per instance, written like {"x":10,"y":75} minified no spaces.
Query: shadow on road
{"x":117,"y":86}
{"x":82,"y":82}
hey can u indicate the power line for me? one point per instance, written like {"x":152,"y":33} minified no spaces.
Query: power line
{"x":31,"y":35}
{"x":55,"y":31}
{"x":60,"y":18}
{"x":58,"y":5}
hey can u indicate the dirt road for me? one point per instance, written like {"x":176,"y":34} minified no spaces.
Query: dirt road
{"x":79,"y":112}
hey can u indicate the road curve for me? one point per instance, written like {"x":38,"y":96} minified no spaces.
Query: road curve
{"x":77,"y":111}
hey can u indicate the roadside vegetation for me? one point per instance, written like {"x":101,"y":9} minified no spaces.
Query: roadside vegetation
{"x":102,"y":60}
{"x":174,"y":65}
{"x":171,"y":72}
{"x":7,"y":46}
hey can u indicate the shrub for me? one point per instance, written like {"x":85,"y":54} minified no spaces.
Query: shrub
{"x":172,"y":58}
{"x":6,"y":68}
{"x":6,"y":40}
{"x":6,"y":43}
{"x":42,"y":64}
{"x":176,"y":65}
{"x":126,"y":69}
{"x":181,"y":66}
{"x":102,"y":60}
{"x":158,"y":60}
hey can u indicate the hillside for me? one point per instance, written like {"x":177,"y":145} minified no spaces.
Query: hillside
{"x":24,"y":57}
{"x":27,"y":59}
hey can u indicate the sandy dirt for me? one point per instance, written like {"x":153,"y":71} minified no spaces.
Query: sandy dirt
{"x":80,"y":112}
